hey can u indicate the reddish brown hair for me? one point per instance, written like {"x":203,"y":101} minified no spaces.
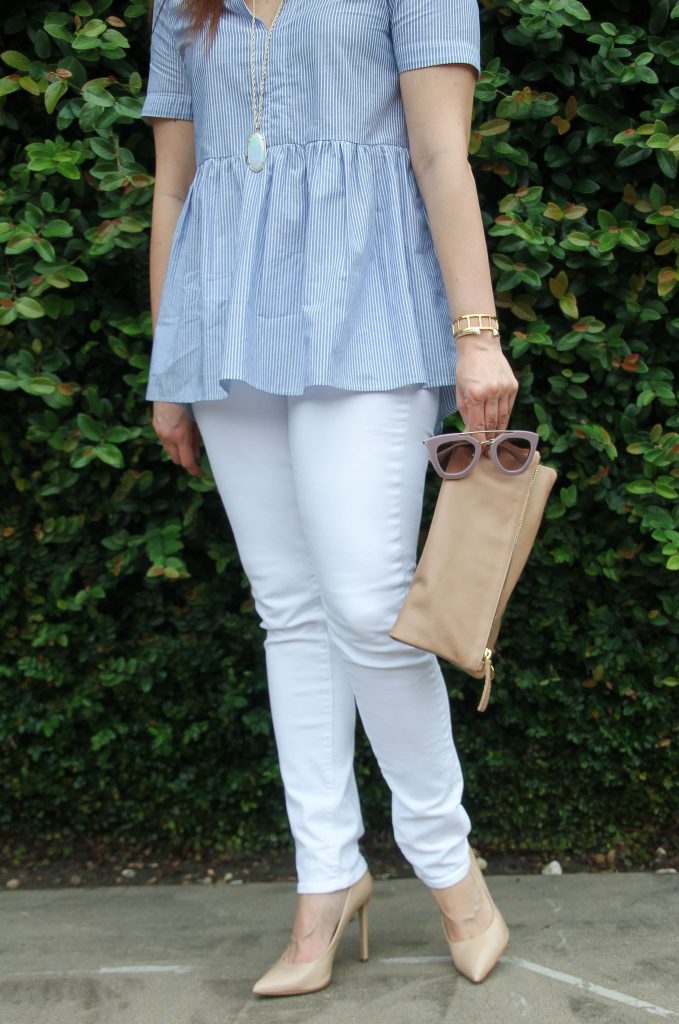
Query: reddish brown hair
{"x":199,"y":14}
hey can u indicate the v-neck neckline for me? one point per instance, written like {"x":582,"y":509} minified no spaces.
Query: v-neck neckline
{"x":257,"y":18}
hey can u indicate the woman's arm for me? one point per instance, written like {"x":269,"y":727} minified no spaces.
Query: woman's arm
{"x":175,"y":170}
{"x":438,"y":106}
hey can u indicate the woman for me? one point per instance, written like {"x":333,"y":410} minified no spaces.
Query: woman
{"x":315,"y":226}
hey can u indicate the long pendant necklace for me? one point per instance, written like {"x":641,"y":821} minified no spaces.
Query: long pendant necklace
{"x":256,"y":151}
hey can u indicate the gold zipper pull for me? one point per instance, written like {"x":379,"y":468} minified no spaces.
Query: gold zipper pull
{"x":488,"y":676}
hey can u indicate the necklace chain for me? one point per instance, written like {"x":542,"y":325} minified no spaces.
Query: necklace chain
{"x":257,"y":109}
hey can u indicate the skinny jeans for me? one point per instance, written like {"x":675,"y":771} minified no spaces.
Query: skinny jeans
{"x":324,"y":494}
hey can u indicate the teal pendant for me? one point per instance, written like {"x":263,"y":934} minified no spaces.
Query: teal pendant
{"x":256,"y":151}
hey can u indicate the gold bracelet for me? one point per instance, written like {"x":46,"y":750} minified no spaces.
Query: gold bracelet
{"x":476,"y":328}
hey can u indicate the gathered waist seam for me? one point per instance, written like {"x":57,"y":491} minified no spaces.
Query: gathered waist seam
{"x":305,"y":145}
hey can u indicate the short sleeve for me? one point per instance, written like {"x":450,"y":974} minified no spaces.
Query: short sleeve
{"x":168,"y":92}
{"x":428,"y":32}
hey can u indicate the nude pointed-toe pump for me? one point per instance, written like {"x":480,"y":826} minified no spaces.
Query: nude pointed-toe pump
{"x":475,"y":958}
{"x":289,"y":979}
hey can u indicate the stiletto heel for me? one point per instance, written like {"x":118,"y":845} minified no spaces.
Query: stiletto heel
{"x":363,"y":926}
{"x":475,"y":958}
{"x":290,"y":979}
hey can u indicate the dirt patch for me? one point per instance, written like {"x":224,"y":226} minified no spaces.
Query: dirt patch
{"x":96,"y":864}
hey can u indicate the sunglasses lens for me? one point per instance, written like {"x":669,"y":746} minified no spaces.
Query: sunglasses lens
{"x":455,"y":456}
{"x":513,"y":454}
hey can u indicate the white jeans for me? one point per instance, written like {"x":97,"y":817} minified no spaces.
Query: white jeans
{"x":324,"y":496}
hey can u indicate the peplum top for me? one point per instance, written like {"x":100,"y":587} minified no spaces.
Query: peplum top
{"x":320,"y":269}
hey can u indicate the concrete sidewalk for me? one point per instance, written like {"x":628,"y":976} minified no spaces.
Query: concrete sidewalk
{"x":583,"y":948}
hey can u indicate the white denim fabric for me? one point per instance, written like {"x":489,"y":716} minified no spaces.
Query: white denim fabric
{"x":324,"y":496}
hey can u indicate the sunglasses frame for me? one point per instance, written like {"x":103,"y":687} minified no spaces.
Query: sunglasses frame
{"x":432,"y":443}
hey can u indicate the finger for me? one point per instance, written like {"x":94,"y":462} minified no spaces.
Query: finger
{"x":491,"y":413}
{"x":187,"y":458}
{"x":196,"y":441}
{"x":514,"y":390}
{"x":491,"y":420}
{"x":474,"y":420}
{"x":171,"y":451}
{"x":503,"y":411}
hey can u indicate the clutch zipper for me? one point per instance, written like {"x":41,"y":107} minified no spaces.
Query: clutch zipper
{"x":487,"y":659}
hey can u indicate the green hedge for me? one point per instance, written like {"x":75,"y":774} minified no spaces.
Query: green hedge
{"x":133,"y":703}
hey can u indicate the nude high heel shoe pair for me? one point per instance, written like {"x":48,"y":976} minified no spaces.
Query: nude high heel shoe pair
{"x":473,"y":958}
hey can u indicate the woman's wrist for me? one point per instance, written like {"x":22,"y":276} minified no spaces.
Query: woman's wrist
{"x":473,"y":343}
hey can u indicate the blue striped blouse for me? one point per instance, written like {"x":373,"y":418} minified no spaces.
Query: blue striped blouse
{"x":319,"y":269}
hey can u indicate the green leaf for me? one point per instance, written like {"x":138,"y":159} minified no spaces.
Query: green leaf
{"x":84,"y":43}
{"x":8,"y":382}
{"x":55,"y":25}
{"x":657,"y":195}
{"x":93,"y":28}
{"x":129,"y":106}
{"x":630,"y":237}
{"x":531,"y":277}
{"x":75,"y":274}
{"x":98,"y":96}
{"x":55,"y":90}
{"x":641,"y":487}
{"x":118,"y":434}
{"x":608,"y":242}
{"x":659,"y":16}
{"x":115,"y":38}
{"x":8,"y":85}
{"x":70,"y":171}
{"x":29,"y":85}
{"x":111,"y":455}
{"x":569,"y":496}
{"x":578,"y":10}
{"x":82,"y":457}
{"x":667,"y":162}
{"x":38,"y":386}
{"x":57,"y":229}
{"x":29,"y":308}
{"x":89,"y":428}
{"x":569,"y":306}
{"x":15,"y":60}
{"x":132,"y":224}
{"x":579,"y":239}
{"x":605,"y":220}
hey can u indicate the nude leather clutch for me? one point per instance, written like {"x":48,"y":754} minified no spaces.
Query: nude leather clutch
{"x":481,"y":534}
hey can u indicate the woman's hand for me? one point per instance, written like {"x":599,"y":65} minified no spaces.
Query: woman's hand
{"x":179,"y":435}
{"x":485,"y":385}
